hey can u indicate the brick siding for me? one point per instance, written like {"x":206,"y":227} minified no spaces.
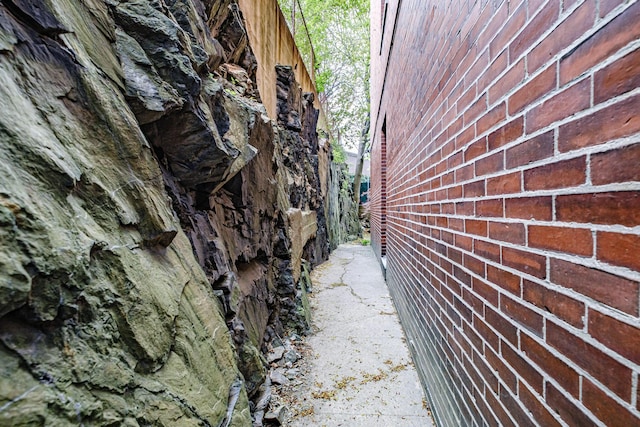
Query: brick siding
{"x":510,"y":165}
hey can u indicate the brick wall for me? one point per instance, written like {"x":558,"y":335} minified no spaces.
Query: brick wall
{"x":513,"y":204}
{"x":378,"y":195}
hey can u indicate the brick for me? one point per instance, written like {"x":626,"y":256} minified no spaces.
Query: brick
{"x":607,"y":6}
{"x":562,"y":306}
{"x":498,"y":65}
{"x":465,"y":313}
{"x":447,"y":179}
{"x":618,"y":78}
{"x":464,"y":242}
{"x":570,"y":101}
{"x":605,"y":369}
{"x":497,"y":407}
{"x":446,"y":150}
{"x":489,"y":293}
{"x":504,"y":328}
{"x":490,"y":164}
{"x":500,"y":367}
{"x":606,"y":288}
{"x":621,"y":337}
{"x":465,"y":173}
{"x":441,"y":167}
{"x":526,"y":317}
{"x":490,"y":337}
{"x":453,"y":161}
{"x":474,"y":338}
{"x":524,"y":261}
{"x":567,"y":173}
{"x":497,"y":18}
{"x":475,"y":110}
{"x":507,"y":82}
{"x":619,"y":249}
{"x":454,"y":127}
{"x":474,"y":377}
{"x":487,"y":416}
{"x":465,"y":137}
{"x":537,"y":148}
{"x":567,"y":4}
{"x":487,"y":250}
{"x":619,"y":165}
{"x":577,"y":241}
{"x":567,"y":32}
{"x":491,"y":118}
{"x":454,"y":255}
{"x":462,"y":276}
{"x":454,"y":192}
{"x":426,"y":191}
{"x":523,"y":368}
{"x":482,"y":61}
{"x":567,"y":409}
{"x":506,"y":134}
{"x":474,"y":264}
{"x":615,"y":121}
{"x":442,"y":222}
{"x":619,"y":32}
{"x":534,"y":29}
{"x":534,"y":5}
{"x":605,"y":408}
{"x":474,"y":189}
{"x":448,"y":209}
{"x":504,"y":184}
{"x":476,"y":303}
{"x":477,"y":227}
{"x":535,"y":88}
{"x":477,"y":148}
{"x":505,"y":280}
{"x":507,"y":232}
{"x":622,"y":207}
{"x":538,"y":208}
{"x":514,"y":23}
{"x":522,"y":419}
{"x":489,"y":208}
{"x":465,"y":208}
{"x":565,"y":375}
{"x":533,"y":403}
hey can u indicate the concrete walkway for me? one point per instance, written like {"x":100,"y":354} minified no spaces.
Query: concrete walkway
{"x":361,"y":373}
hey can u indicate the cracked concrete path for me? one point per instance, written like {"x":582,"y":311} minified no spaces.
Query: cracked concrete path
{"x":361,"y":372}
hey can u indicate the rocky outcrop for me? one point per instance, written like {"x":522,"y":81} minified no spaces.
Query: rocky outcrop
{"x":342,"y":212}
{"x":154,"y":222}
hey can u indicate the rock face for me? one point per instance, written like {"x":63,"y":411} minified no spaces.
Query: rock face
{"x":343,"y":212}
{"x":153,"y":219}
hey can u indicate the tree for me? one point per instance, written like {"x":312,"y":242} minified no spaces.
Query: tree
{"x":339,"y":58}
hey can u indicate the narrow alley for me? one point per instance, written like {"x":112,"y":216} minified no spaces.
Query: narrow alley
{"x":360,"y":371}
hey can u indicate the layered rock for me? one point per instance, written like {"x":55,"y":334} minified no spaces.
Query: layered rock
{"x":342,"y":210}
{"x":148,"y":207}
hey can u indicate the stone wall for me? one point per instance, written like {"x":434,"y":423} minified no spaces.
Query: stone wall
{"x":153,"y":217}
{"x":506,"y":141}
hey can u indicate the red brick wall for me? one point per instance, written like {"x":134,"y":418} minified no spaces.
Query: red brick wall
{"x":513,"y":204}
{"x":378,"y":195}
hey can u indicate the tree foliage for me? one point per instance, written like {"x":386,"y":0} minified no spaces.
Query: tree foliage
{"x":339,"y":32}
